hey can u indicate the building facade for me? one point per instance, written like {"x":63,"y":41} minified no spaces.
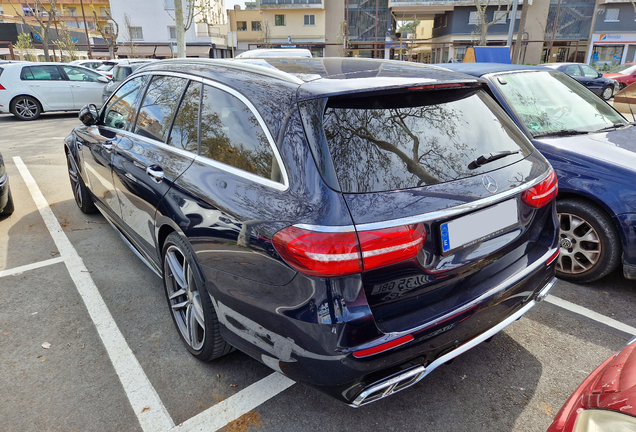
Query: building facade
{"x":147,"y":29}
{"x":613,"y":41}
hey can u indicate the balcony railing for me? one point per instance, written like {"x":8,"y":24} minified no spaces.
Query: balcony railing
{"x":290,"y":2}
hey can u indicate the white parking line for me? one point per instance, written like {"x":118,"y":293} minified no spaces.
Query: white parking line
{"x":148,"y":408}
{"x":150,"y":411}
{"x":590,"y":314}
{"x":33,"y":266}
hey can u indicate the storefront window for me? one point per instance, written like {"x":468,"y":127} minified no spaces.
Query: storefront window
{"x":607,"y":55}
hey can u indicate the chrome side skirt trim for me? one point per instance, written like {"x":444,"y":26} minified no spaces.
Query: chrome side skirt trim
{"x":128,"y":243}
{"x":367,"y":396}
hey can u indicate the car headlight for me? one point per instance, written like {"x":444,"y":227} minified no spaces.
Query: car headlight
{"x":604,"y":421}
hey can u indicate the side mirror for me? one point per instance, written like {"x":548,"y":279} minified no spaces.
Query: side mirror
{"x":89,"y":115}
{"x":103,"y":79}
{"x":599,"y":75}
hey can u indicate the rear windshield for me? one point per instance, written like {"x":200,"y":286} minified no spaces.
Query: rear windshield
{"x":120,"y":73}
{"x":398,"y":141}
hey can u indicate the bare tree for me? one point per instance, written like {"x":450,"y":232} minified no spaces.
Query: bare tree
{"x":187,"y":12}
{"x":482,"y":20}
{"x":341,"y":39}
{"x":266,"y":35}
{"x":109,"y":38}
{"x":129,"y":35}
{"x":39,"y":12}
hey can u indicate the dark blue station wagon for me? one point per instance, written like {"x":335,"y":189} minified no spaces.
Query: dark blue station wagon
{"x":351,"y":223}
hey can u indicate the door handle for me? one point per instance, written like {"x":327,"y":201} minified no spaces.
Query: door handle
{"x":108,"y":146}
{"x":156,"y":172}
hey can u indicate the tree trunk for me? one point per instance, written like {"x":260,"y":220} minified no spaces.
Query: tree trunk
{"x":516,"y":52}
{"x":178,"y":19}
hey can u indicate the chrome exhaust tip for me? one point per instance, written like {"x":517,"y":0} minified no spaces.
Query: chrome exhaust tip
{"x":390,"y":386}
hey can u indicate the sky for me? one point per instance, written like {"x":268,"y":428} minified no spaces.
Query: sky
{"x":229,"y":4}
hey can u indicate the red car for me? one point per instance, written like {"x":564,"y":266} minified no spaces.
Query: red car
{"x":606,"y":401}
{"x":625,"y":74}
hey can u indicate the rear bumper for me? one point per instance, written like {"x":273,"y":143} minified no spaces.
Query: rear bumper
{"x":313,"y":352}
{"x":411,"y":377}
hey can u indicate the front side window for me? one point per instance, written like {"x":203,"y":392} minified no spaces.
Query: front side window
{"x":120,"y":108}
{"x":257,"y":26}
{"x":279,"y":20}
{"x":550,"y":102}
{"x":158,"y":106}
{"x":406,"y":140}
{"x":241,"y":25}
{"x":185,"y":130}
{"x":310,"y":20}
{"x":589,"y":71}
{"x":41,"y":73}
{"x":231,"y":134}
{"x":77,"y":74}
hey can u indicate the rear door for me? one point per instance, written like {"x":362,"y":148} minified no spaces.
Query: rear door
{"x":148,"y":163}
{"x":49,"y":85}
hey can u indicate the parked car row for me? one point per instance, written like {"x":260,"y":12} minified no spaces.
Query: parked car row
{"x":600,"y":84}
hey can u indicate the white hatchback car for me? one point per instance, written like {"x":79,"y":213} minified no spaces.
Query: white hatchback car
{"x":29,"y":89}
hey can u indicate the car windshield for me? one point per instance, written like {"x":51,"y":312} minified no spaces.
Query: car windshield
{"x":623,"y":69}
{"x":550,"y":102}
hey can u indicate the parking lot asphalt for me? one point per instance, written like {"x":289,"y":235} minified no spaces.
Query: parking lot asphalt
{"x":116,"y":363}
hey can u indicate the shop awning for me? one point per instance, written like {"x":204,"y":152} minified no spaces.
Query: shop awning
{"x":139,"y":50}
{"x":163,"y":51}
{"x":198,"y":51}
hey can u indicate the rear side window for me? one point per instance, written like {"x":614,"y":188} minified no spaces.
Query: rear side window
{"x":406,"y":140}
{"x":185,"y":130}
{"x":41,"y":73}
{"x":120,"y":110}
{"x":230,"y":133}
{"x":158,"y":107}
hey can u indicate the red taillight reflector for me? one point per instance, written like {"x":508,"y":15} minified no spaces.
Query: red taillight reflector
{"x":541,"y":194}
{"x":391,"y":245}
{"x":2,"y":88}
{"x":553,"y":257}
{"x":328,"y":254}
{"x":383,"y":347}
{"x":436,"y":86}
{"x":317,"y":253}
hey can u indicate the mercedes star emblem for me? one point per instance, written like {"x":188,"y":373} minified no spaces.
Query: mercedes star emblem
{"x":490,"y":183}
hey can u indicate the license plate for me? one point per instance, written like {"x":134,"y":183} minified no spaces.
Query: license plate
{"x":477,"y":226}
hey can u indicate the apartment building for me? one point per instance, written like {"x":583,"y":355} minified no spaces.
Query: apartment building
{"x":152,"y":32}
{"x":72,"y":13}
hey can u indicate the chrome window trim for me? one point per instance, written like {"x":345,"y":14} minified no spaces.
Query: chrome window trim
{"x":427,"y":217}
{"x":216,"y":164}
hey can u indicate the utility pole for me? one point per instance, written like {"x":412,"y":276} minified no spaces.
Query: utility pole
{"x":513,"y":20}
{"x":88,"y":39}
{"x":516,"y":52}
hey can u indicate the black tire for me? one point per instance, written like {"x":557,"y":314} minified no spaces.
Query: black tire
{"x":26,"y":107}
{"x":83,"y":197}
{"x":608,"y":92}
{"x":9,"y":208}
{"x":590,"y":247}
{"x":189,"y":301}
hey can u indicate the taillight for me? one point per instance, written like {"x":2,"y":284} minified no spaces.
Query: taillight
{"x":327,"y":254}
{"x":384,"y":347}
{"x":541,"y":194}
{"x":2,"y":88}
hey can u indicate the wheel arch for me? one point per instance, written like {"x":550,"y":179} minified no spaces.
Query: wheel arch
{"x":601,"y":206}
{"x":37,"y":99}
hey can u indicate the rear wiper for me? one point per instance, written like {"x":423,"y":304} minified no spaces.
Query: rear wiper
{"x":564,"y":132}
{"x":490,"y":157}
{"x":613,"y":127}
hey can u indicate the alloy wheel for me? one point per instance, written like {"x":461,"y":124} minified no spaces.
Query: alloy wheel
{"x":75,"y":183}
{"x":26,"y":108}
{"x":607,"y":92}
{"x":580,"y":245}
{"x":184,"y":297}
